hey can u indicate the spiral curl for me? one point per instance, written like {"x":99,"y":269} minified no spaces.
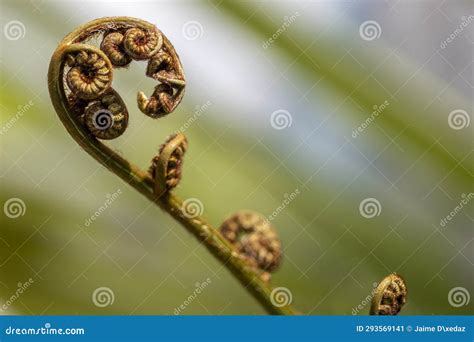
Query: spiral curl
{"x":113,"y":47}
{"x":166,"y":168}
{"x":162,"y":68}
{"x":160,"y":102}
{"x":90,"y":74}
{"x":142,"y":44}
{"x":390,"y":296}
{"x":254,"y":238}
{"x":107,"y":118}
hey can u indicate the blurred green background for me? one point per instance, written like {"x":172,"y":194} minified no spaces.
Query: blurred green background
{"x":327,"y":74}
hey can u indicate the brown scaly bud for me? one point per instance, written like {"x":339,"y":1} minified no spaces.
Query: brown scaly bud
{"x":166,"y":167}
{"x":141,"y":44}
{"x":107,"y":117}
{"x":112,"y":45}
{"x":254,"y":238}
{"x":390,"y":295}
{"x":90,"y":74}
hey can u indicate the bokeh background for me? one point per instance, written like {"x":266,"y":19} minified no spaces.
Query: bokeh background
{"x":279,"y":115}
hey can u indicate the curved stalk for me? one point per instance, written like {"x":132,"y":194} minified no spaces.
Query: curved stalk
{"x":141,"y":180}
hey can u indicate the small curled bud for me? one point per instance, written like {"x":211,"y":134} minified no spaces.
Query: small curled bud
{"x":254,"y":238}
{"x":166,"y":167}
{"x":90,"y":74}
{"x":142,"y":44}
{"x":162,"y":67}
{"x":390,"y":296}
{"x":107,"y":118}
{"x":159,"y":104}
{"x":112,"y":45}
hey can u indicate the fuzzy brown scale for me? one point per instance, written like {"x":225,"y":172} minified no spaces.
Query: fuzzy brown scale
{"x":254,"y":238}
{"x":166,"y":168}
{"x":390,"y":296}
